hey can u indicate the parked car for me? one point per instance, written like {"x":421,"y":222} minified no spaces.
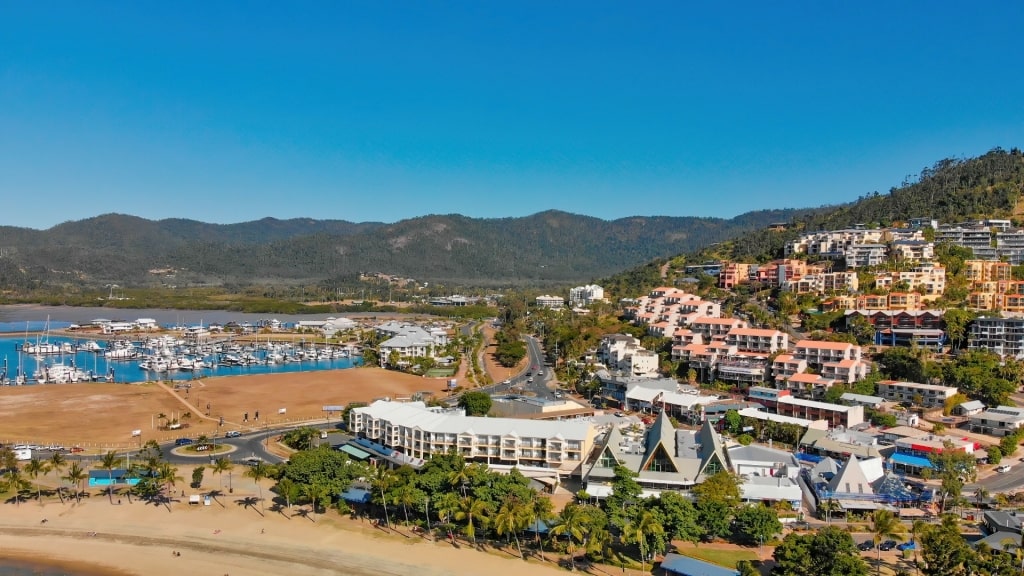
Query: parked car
{"x":866,"y":545}
{"x":620,"y":414}
{"x":887,"y":545}
{"x":182,"y":441}
{"x":907,"y":546}
{"x":1003,"y":468}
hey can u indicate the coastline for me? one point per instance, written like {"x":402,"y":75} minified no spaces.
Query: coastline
{"x":96,"y":537}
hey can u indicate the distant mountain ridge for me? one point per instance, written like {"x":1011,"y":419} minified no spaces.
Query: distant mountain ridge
{"x":549,"y":246}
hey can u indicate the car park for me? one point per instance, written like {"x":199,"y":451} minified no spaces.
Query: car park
{"x":1003,"y":468}
{"x":887,"y":545}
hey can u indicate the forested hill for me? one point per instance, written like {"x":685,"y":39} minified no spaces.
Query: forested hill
{"x":548,"y":247}
{"x":953,"y":190}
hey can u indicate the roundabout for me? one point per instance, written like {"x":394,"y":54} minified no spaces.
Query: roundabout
{"x":189,"y":451}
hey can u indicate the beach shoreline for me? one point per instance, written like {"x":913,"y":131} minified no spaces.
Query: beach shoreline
{"x":97,"y":537}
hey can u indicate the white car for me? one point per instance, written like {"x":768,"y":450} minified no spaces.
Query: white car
{"x":1003,"y":469}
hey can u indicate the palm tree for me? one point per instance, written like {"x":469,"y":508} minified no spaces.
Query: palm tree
{"x":160,"y":418}
{"x":383,"y":479}
{"x":638,"y":531}
{"x":289,"y":489}
{"x":257,"y":473}
{"x":15,"y":481}
{"x":980,"y":495}
{"x":540,"y":510}
{"x":407,"y":495}
{"x":57,"y":463}
{"x":314,"y":492}
{"x":34,"y":469}
{"x":571,"y":523}
{"x":916,"y":529}
{"x":461,"y":477}
{"x":75,"y":476}
{"x":108,"y":462}
{"x":167,"y":475}
{"x":886,"y":526}
{"x":472,"y":510}
{"x":222,"y":465}
{"x":511,"y":518}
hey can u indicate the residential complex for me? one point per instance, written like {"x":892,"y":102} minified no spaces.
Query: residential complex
{"x":418,"y":432}
{"x":928,"y":395}
{"x":1003,"y":335}
{"x":999,"y":421}
{"x":586,"y":295}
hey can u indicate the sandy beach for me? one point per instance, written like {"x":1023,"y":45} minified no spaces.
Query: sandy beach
{"x":230,"y":538}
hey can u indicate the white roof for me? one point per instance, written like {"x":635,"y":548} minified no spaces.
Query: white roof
{"x":416,"y":415}
{"x":643,"y":394}
{"x":687,"y":400}
{"x":768,"y":488}
{"x":755,"y":413}
{"x":813,"y":404}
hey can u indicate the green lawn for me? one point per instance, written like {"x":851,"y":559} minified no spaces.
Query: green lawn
{"x":440,"y":372}
{"x":727,"y":558}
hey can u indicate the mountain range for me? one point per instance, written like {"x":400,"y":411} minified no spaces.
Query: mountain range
{"x":548,"y":247}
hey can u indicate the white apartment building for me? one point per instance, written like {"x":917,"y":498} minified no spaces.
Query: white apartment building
{"x":930,"y":277}
{"x":757,"y":340}
{"x":586,"y":295}
{"x":930,"y":395}
{"x":419,"y":432}
{"x":817,"y":353}
{"x":913,"y":250}
{"x":999,"y":421}
{"x":1002,"y":336}
{"x":823,"y":283}
{"x":715,"y":328}
{"x":865,"y":255}
{"x":551,"y":302}
{"x":625,"y":354}
{"x":410,"y":341}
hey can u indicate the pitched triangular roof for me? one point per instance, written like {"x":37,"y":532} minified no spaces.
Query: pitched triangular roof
{"x":660,"y":443}
{"x":826,"y":469}
{"x":711,"y":448}
{"x":851,"y":479}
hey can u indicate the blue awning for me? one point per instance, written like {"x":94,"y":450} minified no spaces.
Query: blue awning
{"x":354,"y":452}
{"x":357,"y":495}
{"x":908,"y":460}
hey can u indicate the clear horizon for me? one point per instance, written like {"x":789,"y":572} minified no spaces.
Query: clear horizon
{"x":384,"y":111}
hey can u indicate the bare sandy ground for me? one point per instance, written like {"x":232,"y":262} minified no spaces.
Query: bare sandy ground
{"x":231,"y":538}
{"x":93,"y":414}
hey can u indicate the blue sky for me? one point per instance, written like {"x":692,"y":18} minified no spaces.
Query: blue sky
{"x":232,"y":111}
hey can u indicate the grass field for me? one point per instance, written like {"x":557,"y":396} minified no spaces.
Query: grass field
{"x":440,"y":373}
{"x":727,"y":558}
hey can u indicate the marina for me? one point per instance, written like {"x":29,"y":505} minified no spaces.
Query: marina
{"x":46,"y":359}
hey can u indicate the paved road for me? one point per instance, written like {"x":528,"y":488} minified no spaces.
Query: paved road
{"x":521,"y":381}
{"x":1007,"y":482}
